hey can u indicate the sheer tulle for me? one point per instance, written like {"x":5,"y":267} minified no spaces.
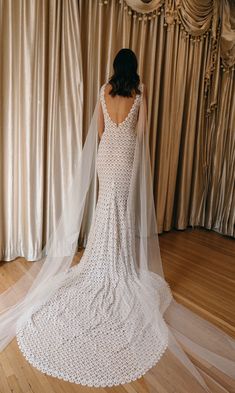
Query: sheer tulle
{"x":199,"y":357}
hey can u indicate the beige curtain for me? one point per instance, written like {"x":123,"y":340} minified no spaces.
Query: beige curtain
{"x":40,"y":118}
{"x":181,"y":46}
{"x":186,"y":58}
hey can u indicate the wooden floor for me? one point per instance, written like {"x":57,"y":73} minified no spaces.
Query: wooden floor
{"x":199,"y":265}
{"x":200,"y":268}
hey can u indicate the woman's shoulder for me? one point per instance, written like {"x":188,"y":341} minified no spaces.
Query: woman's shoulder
{"x":103,"y":86}
{"x":101,"y":92}
{"x":106,"y":86}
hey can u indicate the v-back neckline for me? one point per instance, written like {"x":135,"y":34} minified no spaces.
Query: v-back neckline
{"x":106,"y":109}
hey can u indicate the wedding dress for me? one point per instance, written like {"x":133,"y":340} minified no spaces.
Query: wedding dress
{"x":79,"y":334}
{"x":111,"y":318}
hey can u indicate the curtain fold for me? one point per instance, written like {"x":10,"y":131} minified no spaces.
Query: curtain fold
{"x":196,"y":16}
{"x":51,"y":49}
{"x":178,"y":44}
{"x":40,"y":119}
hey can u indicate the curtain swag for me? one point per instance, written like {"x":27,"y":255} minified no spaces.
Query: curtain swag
{"x":197,"y":18}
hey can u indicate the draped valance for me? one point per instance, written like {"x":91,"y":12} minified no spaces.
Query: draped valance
{"x":198,"y":18}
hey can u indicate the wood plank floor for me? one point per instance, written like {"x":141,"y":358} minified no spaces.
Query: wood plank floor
{"x":200,"y":268}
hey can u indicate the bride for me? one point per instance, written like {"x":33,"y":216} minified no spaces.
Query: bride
{"x":111,"y":318}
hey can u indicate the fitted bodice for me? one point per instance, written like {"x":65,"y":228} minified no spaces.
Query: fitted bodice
{"x":116,"y":148}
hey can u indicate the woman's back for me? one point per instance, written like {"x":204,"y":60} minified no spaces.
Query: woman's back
{"x":118,"y":112}
{"x":118,"y":107}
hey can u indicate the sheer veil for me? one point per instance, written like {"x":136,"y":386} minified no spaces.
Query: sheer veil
{"x":199,"y":356}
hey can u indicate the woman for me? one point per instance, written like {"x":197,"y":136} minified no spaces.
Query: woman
{"x":100,"y":323}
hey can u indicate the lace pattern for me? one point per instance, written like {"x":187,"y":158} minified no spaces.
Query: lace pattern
{"x":92,"y":330}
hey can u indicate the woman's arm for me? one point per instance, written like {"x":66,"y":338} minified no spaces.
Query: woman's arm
{"x":100,"y":120}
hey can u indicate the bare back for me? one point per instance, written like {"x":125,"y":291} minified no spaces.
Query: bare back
{"x":118,"y":107}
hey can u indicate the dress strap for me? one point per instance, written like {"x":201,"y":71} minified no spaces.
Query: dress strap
{"x":102,"y":100}
{"x":101,"y":92}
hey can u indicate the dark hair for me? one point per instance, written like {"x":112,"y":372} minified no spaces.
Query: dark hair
{"x":125,"y":78}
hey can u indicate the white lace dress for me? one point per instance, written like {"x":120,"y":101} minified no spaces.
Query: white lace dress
{"x":79,"y":334}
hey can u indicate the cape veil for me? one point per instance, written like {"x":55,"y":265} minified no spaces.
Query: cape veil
{"x":199,"y":356}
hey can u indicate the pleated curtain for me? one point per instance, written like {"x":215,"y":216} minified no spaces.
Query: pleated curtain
{"x":54,"y":57}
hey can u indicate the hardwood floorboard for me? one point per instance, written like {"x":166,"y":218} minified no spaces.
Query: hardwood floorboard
{"x":199,"y":266}
{"x":201,"y":274}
